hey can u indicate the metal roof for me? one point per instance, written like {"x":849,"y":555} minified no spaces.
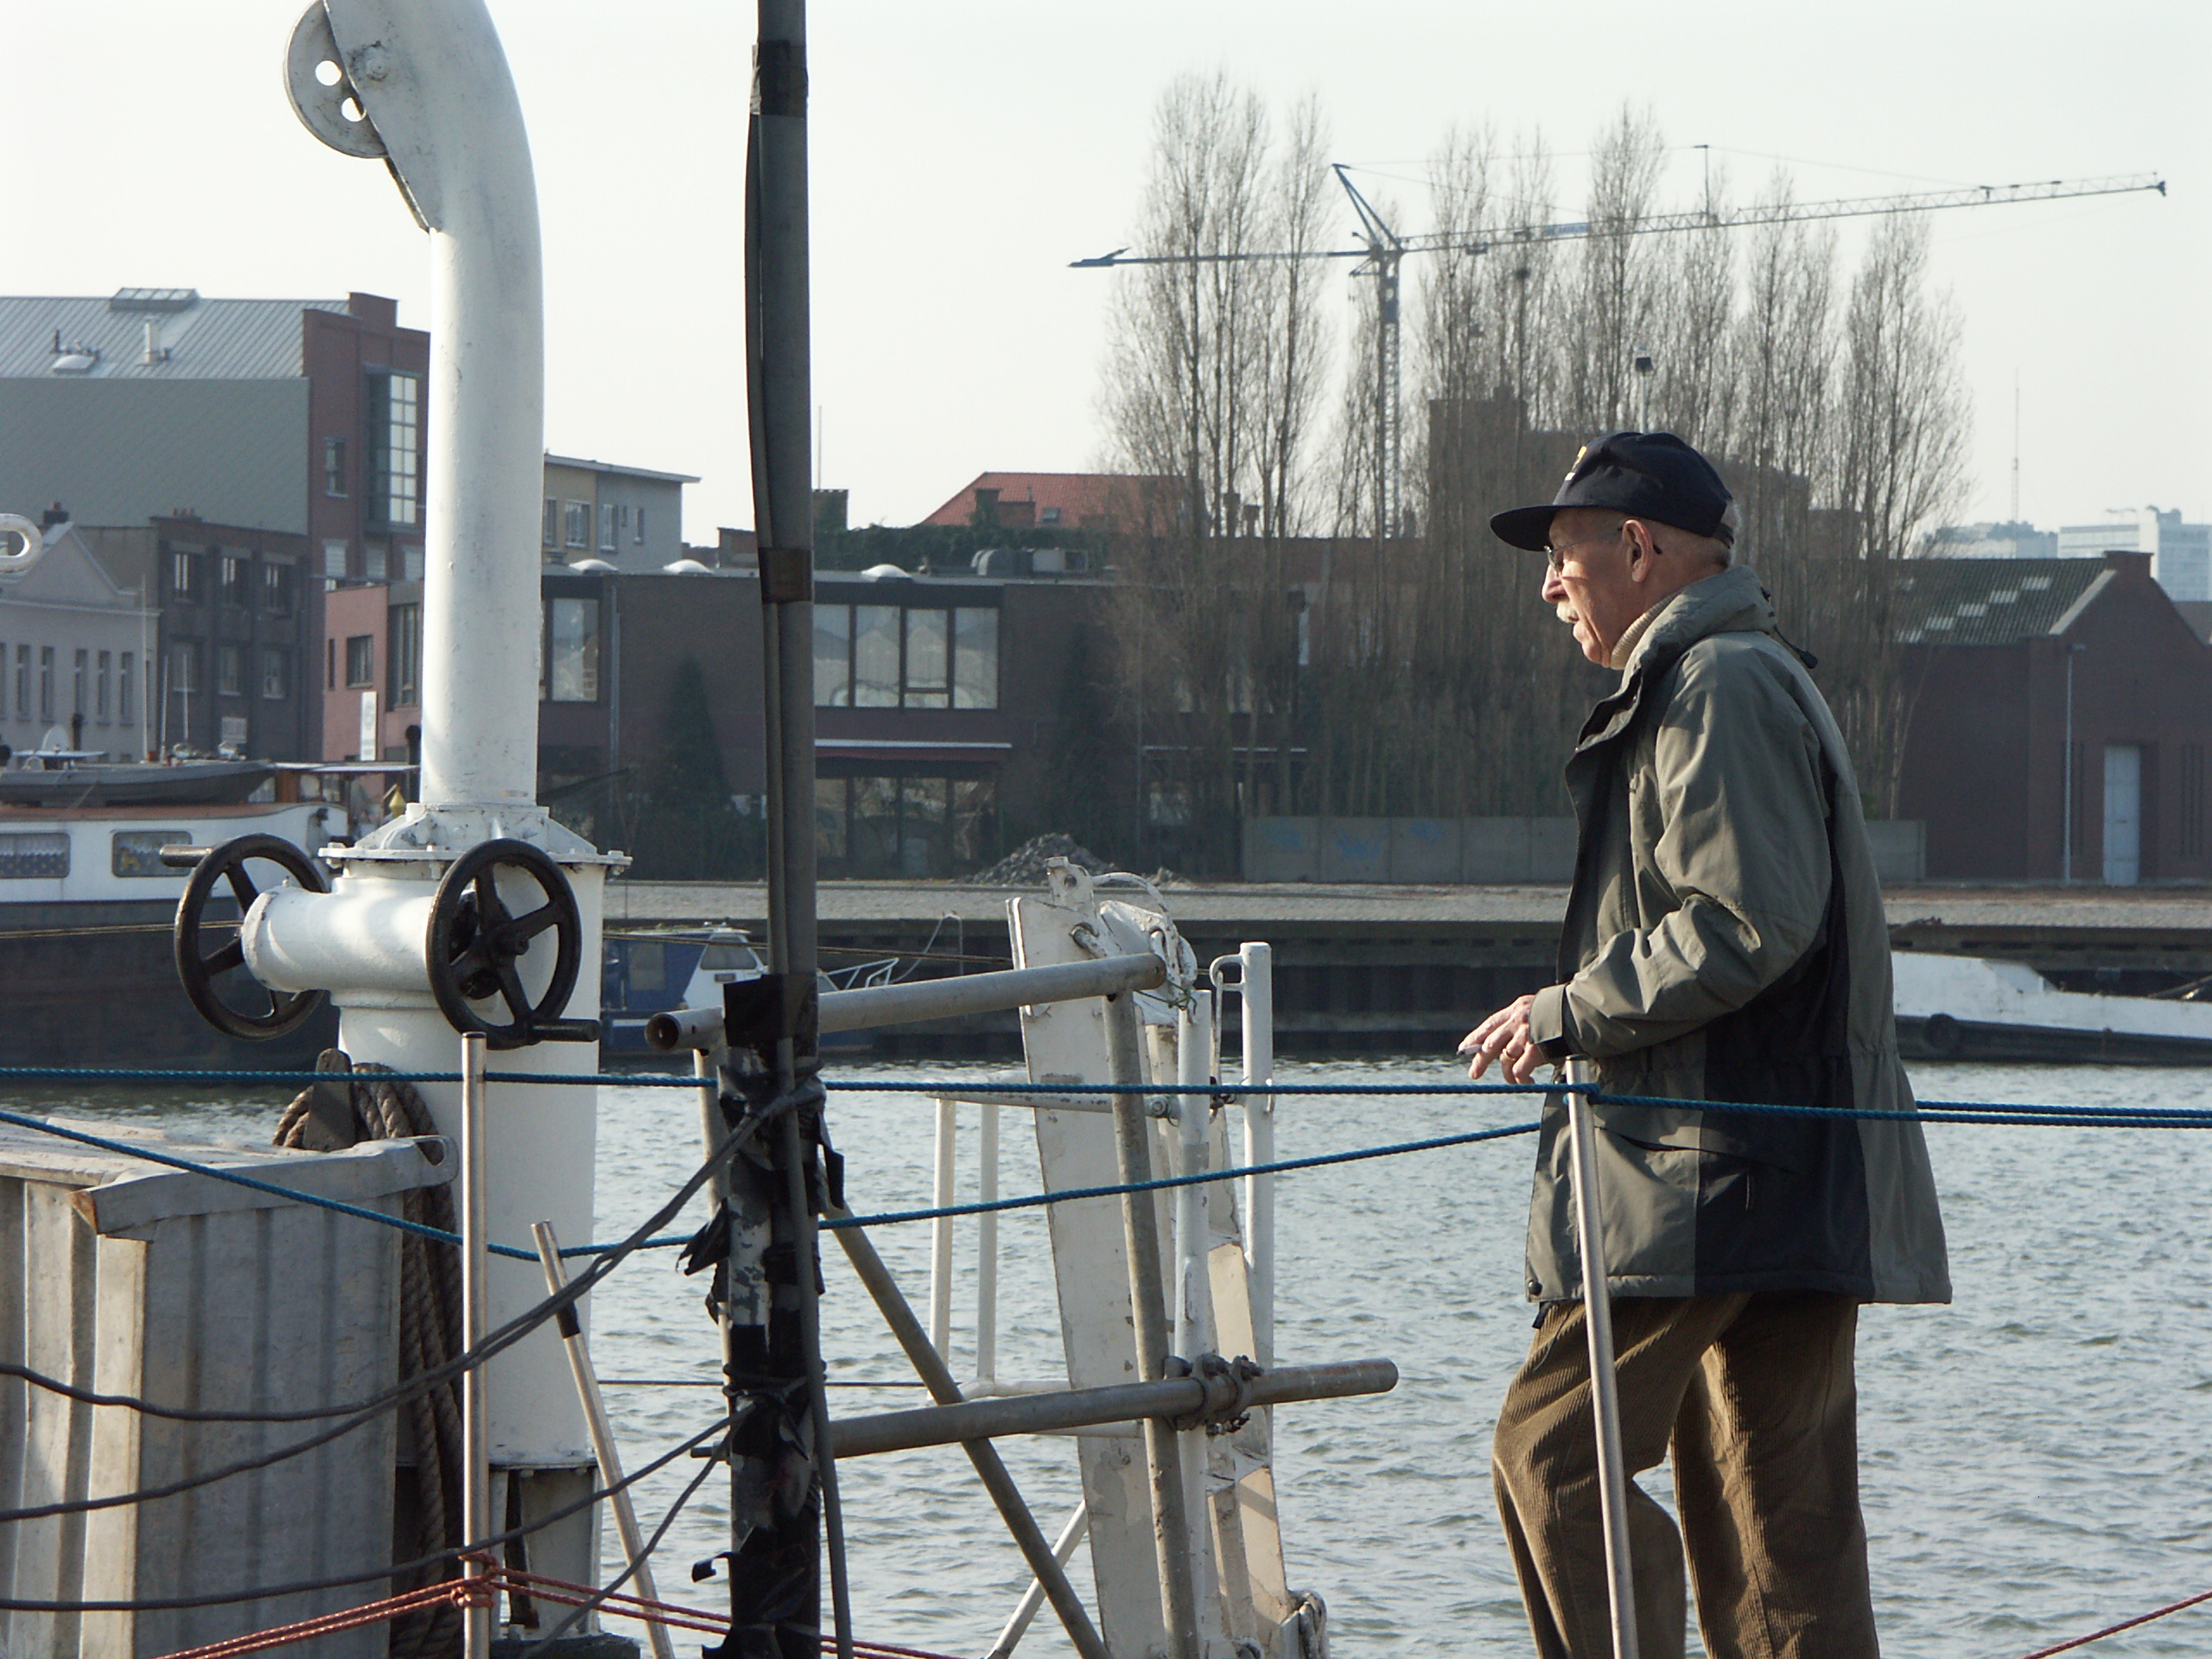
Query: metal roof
{"x":197,"y":339}
{"x":616,"y":470}
{"x":1992,"y":601}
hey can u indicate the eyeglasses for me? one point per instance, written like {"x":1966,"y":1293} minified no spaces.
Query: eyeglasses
{"x":1557,"y":555}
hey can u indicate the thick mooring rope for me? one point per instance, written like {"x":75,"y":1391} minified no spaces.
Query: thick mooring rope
{"x":388,"y":1107}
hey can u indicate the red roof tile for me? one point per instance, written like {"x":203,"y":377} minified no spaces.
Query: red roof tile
{"x":1117,"y":501}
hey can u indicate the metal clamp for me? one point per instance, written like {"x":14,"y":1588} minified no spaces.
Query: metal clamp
{"x":1228,"y":1383}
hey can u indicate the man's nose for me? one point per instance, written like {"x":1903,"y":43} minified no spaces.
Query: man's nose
{"x":1554,"y":590}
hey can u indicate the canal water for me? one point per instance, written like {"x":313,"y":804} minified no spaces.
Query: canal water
{"x":2034,"y":1457}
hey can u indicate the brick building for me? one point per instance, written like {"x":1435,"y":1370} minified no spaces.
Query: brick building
{"x":2028,"y":676}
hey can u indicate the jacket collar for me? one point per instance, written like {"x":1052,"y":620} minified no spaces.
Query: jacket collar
{"x":1730,"y":602}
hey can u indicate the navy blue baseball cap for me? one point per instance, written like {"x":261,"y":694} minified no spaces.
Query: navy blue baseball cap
{"x":1645,"y":474}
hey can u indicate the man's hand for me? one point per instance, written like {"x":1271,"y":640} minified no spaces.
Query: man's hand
{"x":1504,"y":1038}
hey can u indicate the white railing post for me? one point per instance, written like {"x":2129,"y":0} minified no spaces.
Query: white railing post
{"x":948,"y":1130}
{"x":1194,"y":1321}
{"x":1257,"y":961}
{"x":986,"y":1252}
{"x":475,"y":1444}
{"x":1605,"y":1394}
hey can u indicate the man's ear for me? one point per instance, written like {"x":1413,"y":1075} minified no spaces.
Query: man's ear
{"x":1643,"y":547}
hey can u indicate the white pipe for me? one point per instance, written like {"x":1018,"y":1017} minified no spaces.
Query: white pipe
{"x":369,"y":939}
{"x":1604,"y":1393}
{"x":475,"y":1444}
{"x":986,"y":1251}
{"x":433,"y":81}
{"x":1258,"y":991}
{"x":1194,"y":1324}
{"x":948,"y":1129}
{"x":604,"y":1451}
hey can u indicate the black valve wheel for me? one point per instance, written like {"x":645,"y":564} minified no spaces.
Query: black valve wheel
{"x":476,"y":942}
{"x":201,"y":967}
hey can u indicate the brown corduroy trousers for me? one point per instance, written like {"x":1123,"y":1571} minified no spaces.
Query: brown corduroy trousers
{"x":1753,"y":1394}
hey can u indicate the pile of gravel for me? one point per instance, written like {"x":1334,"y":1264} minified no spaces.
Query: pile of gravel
{"x":1024,"y":866}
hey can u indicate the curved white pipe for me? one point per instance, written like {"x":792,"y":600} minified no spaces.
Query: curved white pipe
{"x":433,"y":80}
{"x":22,"y":559}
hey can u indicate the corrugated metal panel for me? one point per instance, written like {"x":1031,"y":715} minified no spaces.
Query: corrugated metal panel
{"x":209,"y":340}
{"x":125,"y":1277}
{"x":235,"y":452}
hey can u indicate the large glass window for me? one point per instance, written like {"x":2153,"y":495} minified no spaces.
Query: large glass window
{"x":276,"y":673}
{"x":576,"y":523}
{"x":275,"y":588}
{"x":572,"y":650}
{"x":395,"y":437}
{"x":230,"y":671}
{"x":929,"y":652}
{"x":361,"y":659}
{"x":607,"y":542}
{"x":404,"y":653}
{"x":883,"y":828}
{"x":237,"y":575}
{"x":875,"y":656}
{"x":974,"y":658}
{"x":833,"y":657}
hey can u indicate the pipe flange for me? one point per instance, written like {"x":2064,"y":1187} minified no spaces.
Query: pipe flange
{"x":331,"y":109}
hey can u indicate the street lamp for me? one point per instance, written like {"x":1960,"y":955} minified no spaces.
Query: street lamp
{"x":2066,"y":845}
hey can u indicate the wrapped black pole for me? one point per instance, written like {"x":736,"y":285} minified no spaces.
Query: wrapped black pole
{"x":783,"y":1481}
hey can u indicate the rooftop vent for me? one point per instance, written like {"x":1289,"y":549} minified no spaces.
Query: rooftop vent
{"x":75,"y":360}
{"x":152,"y":299}
{"x":884,"y":573}
{"x":686,"y":568}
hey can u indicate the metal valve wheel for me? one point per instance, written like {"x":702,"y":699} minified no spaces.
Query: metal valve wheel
{"x":199,"y":968}
{"x":475,"y":942}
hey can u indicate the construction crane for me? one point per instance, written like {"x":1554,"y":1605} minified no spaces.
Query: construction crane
{"x":1380,"y":250}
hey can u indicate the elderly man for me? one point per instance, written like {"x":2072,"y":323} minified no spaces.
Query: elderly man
{"x":1724,"y":941}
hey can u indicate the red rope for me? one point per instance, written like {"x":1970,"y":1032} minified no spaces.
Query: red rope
{"x":2114,"y":1629}
{"x":459,"y":1591}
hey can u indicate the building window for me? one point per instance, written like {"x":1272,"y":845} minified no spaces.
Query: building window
{"x":917,"y":657}
{"x":237,"y":571}
{"x":45,"y":682}
{"x":37,"y":852}
{"x":974,"y":658}
{"x":637,"y":530}
{"x":126,"y":706}
{"x":410,"y":562}
{"x":360,"y":659}
{"x":276,"y":673}
{"x":184,"y":667}
{"x":372,"y":562}
{"x":404,"y":652}
{"x":607,"y":542}
{"x":2192,"y":800}
{"x":23,"y":682}
{"x":101,"y":675}
{"x":181,"y":563}
{"x":230,"y":671}
{"x":330,"y":664}
{"x":334,"y":561}
{"x":139,"y":852}
{"x":552,"y":525}
{"x":576,"y":525}
{"x":77,"y":705}
{"x":395,"y":437}
{"x":572,"y":651}
{"x":904,"y":826}
{"x":275,"y":588}
{"x":333,"y":466}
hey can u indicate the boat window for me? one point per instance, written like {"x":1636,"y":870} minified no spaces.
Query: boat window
{"x":725,"y":958}
{"x":139,"y":852}
{"x":648,"y":965}
{"x":25,"y":854}
{"x":572,"y":650}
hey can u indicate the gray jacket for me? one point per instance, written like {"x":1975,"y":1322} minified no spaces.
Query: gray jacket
{"x":1724,"y":940}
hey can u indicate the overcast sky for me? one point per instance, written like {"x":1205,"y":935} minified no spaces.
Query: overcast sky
{"x":964,"y":153}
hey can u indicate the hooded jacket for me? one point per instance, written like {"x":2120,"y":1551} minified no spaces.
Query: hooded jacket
{"x":1724,"y":940}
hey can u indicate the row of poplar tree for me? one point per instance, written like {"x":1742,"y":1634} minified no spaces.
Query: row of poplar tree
{"x":1272,"y":651}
